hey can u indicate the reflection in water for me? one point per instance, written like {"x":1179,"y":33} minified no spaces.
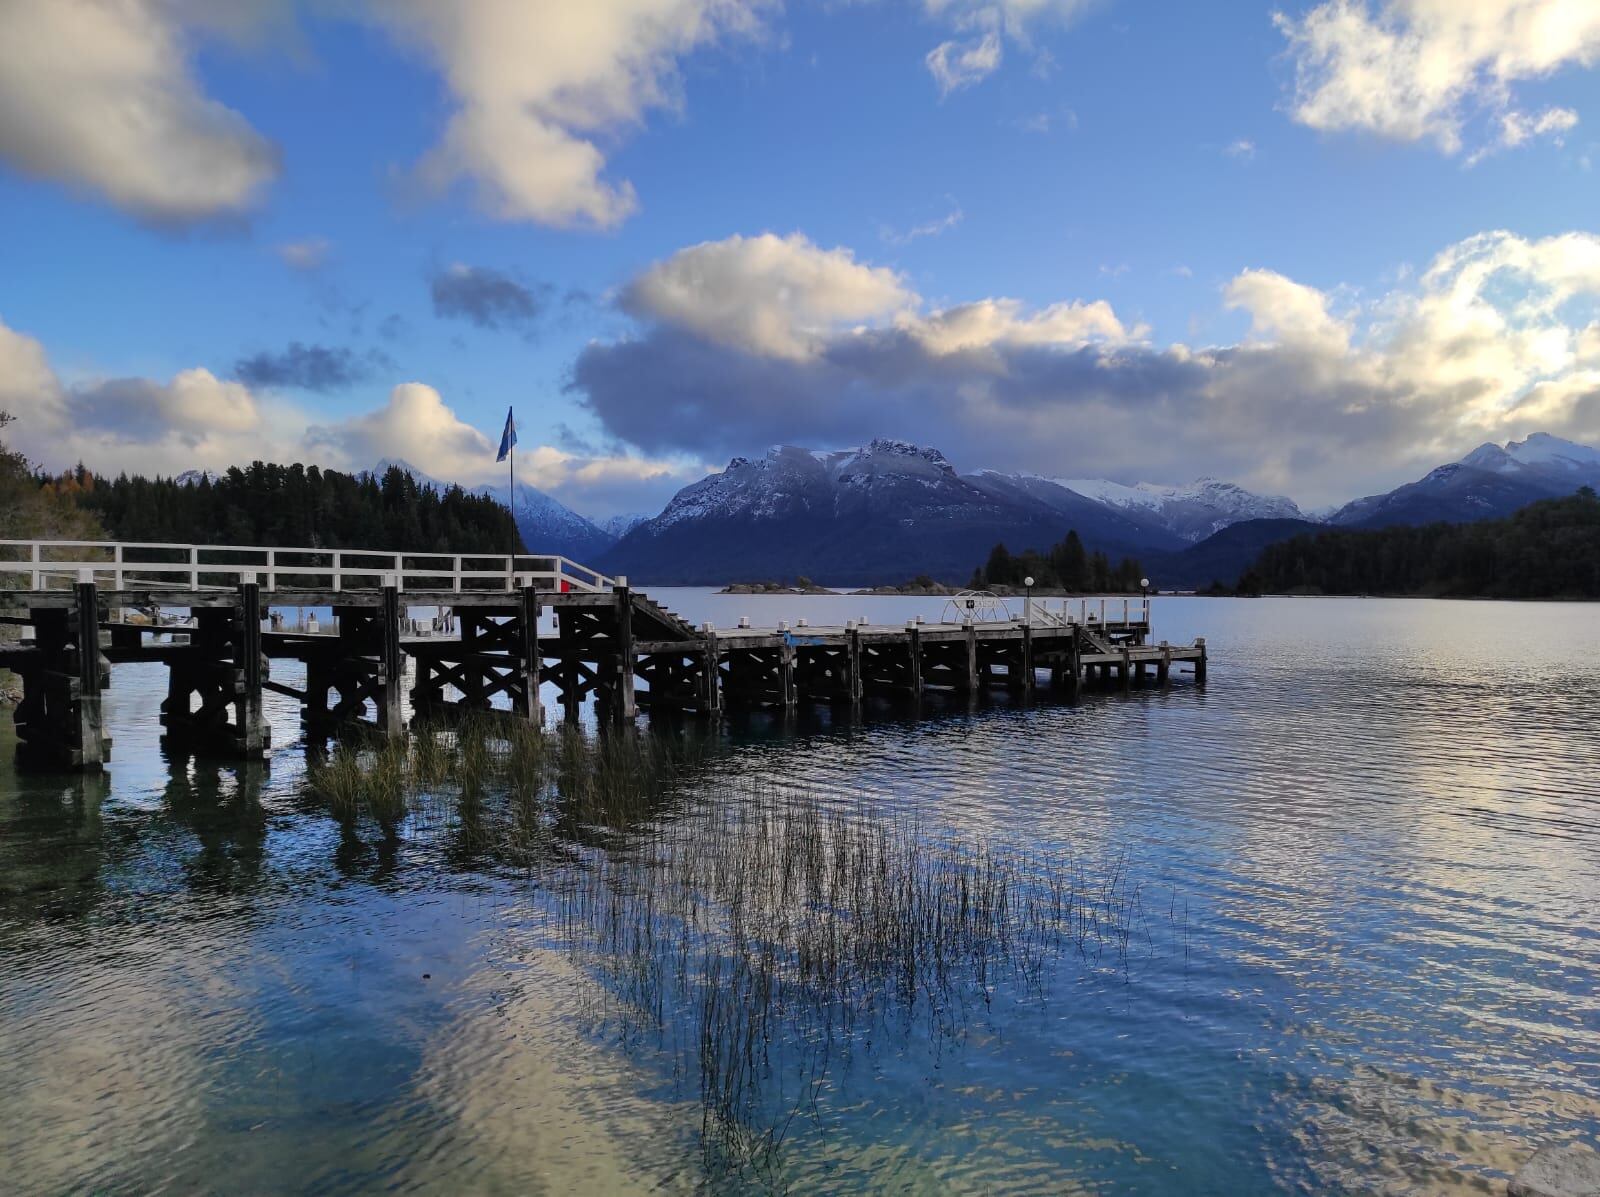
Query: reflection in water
{"x":1361,"y":955}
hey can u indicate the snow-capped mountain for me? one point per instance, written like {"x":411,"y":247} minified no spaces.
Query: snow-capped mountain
{"x":618,"y":526}
{"x":879,"y":513}
{"x":546,"y":525}
{"x":1194,"y":512}
{"x":195,"y":477}
{"x":1491,"y":481}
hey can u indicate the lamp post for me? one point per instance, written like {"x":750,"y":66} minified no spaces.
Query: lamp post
{"x":1027,"y":601}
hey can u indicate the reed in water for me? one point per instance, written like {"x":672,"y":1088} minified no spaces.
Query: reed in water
{"x":756,"y":939}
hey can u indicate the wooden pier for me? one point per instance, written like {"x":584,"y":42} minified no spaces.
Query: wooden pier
{"x":483,"y":648}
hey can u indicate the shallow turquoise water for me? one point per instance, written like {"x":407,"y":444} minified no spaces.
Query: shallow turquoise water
{"x":1364,"y":956}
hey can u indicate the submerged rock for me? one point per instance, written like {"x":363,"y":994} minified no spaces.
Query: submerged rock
{"x":1559,"y":1170}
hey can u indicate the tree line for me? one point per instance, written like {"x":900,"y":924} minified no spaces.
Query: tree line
{"x":1066,"y":565}
{"x":30,"y":511}
{"x":1549,"y":549}
{"x":260,"y":504}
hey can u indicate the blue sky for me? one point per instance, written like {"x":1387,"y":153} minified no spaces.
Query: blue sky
{"x":1316,"y":248}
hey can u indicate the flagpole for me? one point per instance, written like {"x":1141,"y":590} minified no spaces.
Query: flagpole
{"x":511,"y":505}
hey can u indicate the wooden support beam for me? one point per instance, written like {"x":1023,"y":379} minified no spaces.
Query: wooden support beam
{"x":623,"y":702}
{"x":852,"y":667}
{"x":789,"y":695}
{"x":1025,"y":683}
{"x":711,"y":677}
{"x":254,"y":736}
{"x":525,"y":698}
{"x":568,"y":671}
{"x":391,"y":716}
{"x":93,"y":748}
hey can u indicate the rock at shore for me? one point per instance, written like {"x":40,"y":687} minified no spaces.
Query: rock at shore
{"x":1559,"y":1170}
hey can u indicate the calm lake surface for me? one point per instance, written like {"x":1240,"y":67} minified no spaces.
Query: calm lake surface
{"x":1346,"y":939}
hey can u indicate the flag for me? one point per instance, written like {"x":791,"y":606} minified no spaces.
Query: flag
{"x":508,"y":438}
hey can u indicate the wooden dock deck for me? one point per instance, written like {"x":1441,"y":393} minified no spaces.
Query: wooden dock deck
{"x":611,"y":644}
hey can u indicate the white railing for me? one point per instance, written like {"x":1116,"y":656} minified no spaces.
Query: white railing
{"x":1089,"y":611}
{"x":984,"y":606}
{"x":51,"y":564}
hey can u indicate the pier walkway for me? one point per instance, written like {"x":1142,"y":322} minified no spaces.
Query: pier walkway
{"x":87,"y":605}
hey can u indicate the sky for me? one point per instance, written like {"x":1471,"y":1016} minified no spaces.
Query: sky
{"x":1315,"y":248}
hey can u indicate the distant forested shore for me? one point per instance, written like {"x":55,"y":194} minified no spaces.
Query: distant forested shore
{"x":1547,"y":550}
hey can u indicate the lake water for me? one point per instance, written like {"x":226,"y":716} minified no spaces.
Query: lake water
{"x":1346,"y":940}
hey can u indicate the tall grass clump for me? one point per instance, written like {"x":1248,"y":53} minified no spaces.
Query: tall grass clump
{"x":759,"y":939}
{"x":772,"y":937}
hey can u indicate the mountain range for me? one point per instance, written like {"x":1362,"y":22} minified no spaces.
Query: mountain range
{"x":890,"y":510}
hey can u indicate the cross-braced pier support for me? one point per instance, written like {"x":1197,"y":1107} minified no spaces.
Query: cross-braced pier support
{"x":360,"y":665}
{"x":61,"y":721}
{"x":214,"y":685}
{"x":495,"y":654}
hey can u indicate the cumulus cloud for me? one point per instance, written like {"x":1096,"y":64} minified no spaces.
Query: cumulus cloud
{"x":772,"y":295}
{"x":100,"y":96}
{"x":539,"y":84}
{"x":194,"y":403}
{"x":129,"y":423}
{"x":416,"y":425}
{"x":484,"y":297}
{"x":1323,"y":397}
{"x":1415,"y":70}
{"x":197,"y":420}
{"x":1284,"y":311}
{"x":306,"y":367}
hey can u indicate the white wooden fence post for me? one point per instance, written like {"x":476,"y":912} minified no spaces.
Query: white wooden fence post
{"x":338,"y":559}
{"x":194,"y":567}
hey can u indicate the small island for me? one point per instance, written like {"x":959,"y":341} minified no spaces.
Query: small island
{"x":801,"y":585}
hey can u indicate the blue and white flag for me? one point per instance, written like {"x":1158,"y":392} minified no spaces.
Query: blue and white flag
{"x":508,"y":438}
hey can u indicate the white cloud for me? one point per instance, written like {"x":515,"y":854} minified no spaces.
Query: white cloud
{"x":989,"y":324}
{"x":766,"y":294}
{"x":100,"y":96}
{"x":194,"y":403}
{"x":1325,"y":397}
{"x":1243,"y":149}
{"x":29,"y":388}
{"x":986,"y":25}
{"x":928,"y":228}
{"x":1284,"y":311}
{"x":416,"y":426}
{"x":955,"y":65}
{"x":540,"y":83}
{"x":1417,"y":70}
